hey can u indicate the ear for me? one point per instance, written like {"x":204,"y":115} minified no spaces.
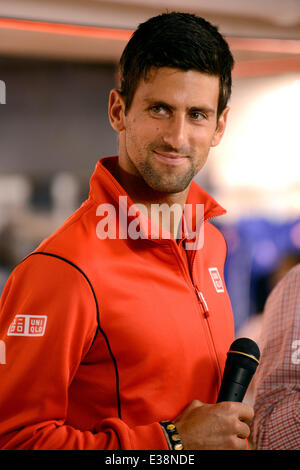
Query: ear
{"x":221,"y":126}
{"x":116,"y":110}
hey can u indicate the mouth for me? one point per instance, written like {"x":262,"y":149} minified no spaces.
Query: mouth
{"x":170,"y":158}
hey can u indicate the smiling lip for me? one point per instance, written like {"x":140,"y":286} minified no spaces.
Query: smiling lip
{"x":171,"y":158}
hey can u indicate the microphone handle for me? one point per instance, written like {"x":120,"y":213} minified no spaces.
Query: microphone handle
{"x":234,"y":384}
{"x":231,"y":392}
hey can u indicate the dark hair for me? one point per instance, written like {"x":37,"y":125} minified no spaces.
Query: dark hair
{"x":178,"y":40}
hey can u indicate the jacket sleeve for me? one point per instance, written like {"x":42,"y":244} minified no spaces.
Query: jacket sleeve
{"x":276,"y":422}
{"x":47,"y":325}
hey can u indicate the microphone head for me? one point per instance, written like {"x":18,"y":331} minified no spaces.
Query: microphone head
{"x":241,"y":363}
{"x":245,"y":353}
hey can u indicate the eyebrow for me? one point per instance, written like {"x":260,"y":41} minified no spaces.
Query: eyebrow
{"x":193,"y":109}
{"x":202,"y":109}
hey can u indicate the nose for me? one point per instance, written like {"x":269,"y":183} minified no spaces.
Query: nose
{"x":175,"y":132}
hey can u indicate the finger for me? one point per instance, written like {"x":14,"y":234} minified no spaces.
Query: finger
{"x":195,"y":404}
{"x":236,"y":443}
{"x":189,"y":409}
{"x":246,"y":413}
{"x":243,"y":430}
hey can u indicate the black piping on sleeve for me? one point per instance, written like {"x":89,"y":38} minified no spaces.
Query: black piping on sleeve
{"x":98,"y":320}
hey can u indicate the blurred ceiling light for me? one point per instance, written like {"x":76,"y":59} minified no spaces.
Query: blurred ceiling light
{"x":66,"y":29}
{"x":283,"y":46}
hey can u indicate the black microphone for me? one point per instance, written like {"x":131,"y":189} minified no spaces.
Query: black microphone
{"x":241,"y":363}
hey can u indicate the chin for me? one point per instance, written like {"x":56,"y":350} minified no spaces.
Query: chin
{"x":169,"y":187}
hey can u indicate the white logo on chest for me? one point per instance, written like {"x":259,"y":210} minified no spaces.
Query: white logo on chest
{"x":216,"y":279}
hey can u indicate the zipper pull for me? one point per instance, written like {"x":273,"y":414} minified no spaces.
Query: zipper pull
{"x":202,"y":302}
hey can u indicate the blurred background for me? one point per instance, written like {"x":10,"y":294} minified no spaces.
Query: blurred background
{"x":58,"y":62}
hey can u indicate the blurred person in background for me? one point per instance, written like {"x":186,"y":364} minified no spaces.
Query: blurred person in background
{"x":253,"y":328}
{"x":276,"y":424}
{"x":119,"y":342}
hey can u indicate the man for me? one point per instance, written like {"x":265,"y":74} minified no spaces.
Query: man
{"x":116,"y":329}
{"x":276,"y":425}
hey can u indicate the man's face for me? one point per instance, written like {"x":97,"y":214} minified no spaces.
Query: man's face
{"x":171,"y":124}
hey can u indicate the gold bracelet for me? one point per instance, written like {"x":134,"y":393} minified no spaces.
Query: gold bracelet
{"x":173,"y":437}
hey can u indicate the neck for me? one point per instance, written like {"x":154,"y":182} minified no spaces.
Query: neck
{"x":141,"y":193}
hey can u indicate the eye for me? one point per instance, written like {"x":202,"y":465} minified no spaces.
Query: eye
{"x":159,"y":110}
{"x":197,"y":115}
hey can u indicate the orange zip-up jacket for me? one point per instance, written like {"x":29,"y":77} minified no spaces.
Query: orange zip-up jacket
{"x":103,"y":338}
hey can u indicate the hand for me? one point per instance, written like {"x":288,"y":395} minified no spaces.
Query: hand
{"x":224,"y":425}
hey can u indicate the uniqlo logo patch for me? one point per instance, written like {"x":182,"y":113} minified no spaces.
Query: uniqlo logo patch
{"x":28,"y":325}
{"x":216,"y":278}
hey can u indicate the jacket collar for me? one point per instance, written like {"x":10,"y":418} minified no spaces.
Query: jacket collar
{"x":103,"y":179}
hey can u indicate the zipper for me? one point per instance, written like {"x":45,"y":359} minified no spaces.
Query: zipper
{"x":206,"y":315}
{"x":202,"y":301}
{"x":199,"y":294}
{"x":205,"y":312}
